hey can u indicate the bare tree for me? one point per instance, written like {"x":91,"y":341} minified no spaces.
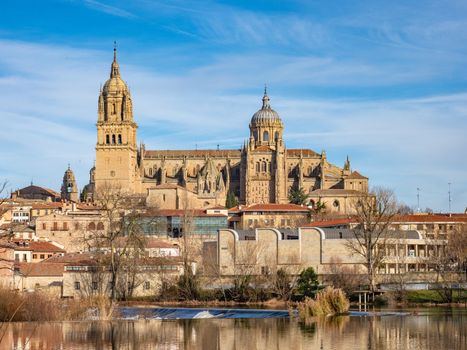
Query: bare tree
{"x":122,"y":239}
{"x":344,"y":276}
{"x":374,"y":212}
{"x":451,"y":263}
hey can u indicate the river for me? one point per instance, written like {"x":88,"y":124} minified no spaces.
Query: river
{"x":422,"y":329}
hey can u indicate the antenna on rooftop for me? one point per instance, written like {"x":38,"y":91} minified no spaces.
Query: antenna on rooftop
{"x":418,"y":199}
{"x":449,"y":196}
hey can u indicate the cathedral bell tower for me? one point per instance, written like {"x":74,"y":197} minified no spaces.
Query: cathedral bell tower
{"x":116,"y":150}
{"x":263,"y":160}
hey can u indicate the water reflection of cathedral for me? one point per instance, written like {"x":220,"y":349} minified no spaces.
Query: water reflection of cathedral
{"x":263,"y":170}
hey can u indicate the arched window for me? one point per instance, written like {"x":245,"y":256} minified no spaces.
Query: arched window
{"x":276,"y":136}
{"x":91,"y":226}
{"x":114,"y":108}
{"x":258,"y":166}
{"x":100,"y":225}
{"x":266,"y":136}
{"x":336,"y":203}
{"x":107,"y":139}
{"x":119,"y":139}
{"x":113,"y":139}
{"x":264,"y":166}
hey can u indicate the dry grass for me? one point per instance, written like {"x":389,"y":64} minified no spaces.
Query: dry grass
{"x":328,"y":302}
{"x":18,"y":306}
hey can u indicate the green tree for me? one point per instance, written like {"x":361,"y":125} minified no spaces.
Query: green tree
{"x":308,"y":284}
{"x":298,"y":196}
{"x":231,"y":201}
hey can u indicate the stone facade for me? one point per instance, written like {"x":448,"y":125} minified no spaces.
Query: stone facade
{"x":263,"y":170}
{"x":265,"y":250}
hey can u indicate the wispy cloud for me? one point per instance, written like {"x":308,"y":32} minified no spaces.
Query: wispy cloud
{"x":108,"y":9}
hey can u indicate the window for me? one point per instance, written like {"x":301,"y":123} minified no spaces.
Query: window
{"x":42,"y":256}
{"x":94,"y":285}
{"x":44,"y":226}
{"x":147,"y":285}
{"x":107,"y":139}
{"x":266,"y":136}
{"x":65,"y":226}
{"x":55,"y":226}
{"x":76,"y":226}
{"x":34,"y":256}
{"x":77,"y":285}
{"x":264,"y":270}
{"x":25,"y":257}
{"x":17,"y":257}
{"x":49,"y":255}
{"x":336,"y":204}
{"x":100,"y":225}
{"x":91,"y":226}
{"x":113,"y":139}
{"x":119,"y":139}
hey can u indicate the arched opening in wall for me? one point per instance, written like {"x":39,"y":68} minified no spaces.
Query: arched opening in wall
{"x":258,"y":167}
{"x":91,"y":226}
{"x":276,"y":136}
{"x":263,"y":167}
{"x":107,"y":139}
{"x":119,"y":139}
{"x":255,"y":135}
{"x":150,"y":171}
{"x":266,"y":136}
{"x":312,"y":203}
{"x":113,"y":139}
{"x":100,"y":225}
{"x":114,"y":109}
{"x":269,"y":167}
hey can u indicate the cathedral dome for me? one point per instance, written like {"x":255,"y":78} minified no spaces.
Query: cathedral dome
{"x":266,"y":114}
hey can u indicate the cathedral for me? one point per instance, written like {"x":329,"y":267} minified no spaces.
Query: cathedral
{"x":263,"y":170}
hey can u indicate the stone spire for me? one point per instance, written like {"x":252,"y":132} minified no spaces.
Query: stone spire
{"x":115,"y":69}
{"x":266,"y":104}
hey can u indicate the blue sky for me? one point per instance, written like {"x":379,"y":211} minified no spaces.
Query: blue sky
{"x":384,"y":82}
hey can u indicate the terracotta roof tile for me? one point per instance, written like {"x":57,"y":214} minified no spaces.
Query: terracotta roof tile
{"x":270,"y":207}
{"x":41,"y":269}
{"x":415,"y":218}
{"x":296,"y":152}
{"x":37,"y":246}
{"x":356,"y":175}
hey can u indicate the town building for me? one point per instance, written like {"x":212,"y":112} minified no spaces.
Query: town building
{"x":36,"y":193}
{"x":264,"y":250}
{"x":245,"y":217}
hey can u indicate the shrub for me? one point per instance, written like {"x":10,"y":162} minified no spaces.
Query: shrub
{"x":380,"y":300}
{"x":328,"y":302}
{"x":307,"y":284}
